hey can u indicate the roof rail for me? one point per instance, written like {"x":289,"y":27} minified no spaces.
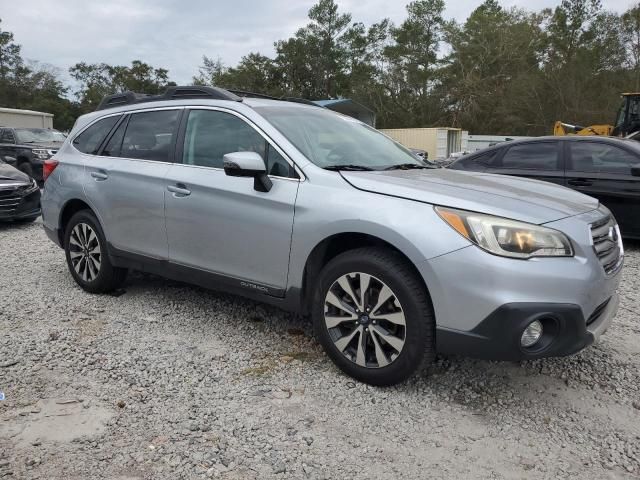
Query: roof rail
{"x":299,"y":100}
{"x":245,"y":93}
{"x":172,"y":93}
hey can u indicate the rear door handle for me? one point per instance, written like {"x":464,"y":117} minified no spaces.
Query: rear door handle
{"x":179,"y":189}
{"x":580,"y":182}
{"x":99,"y":176}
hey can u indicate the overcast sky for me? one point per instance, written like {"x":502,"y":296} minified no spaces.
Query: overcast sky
{"x":174,"y":34}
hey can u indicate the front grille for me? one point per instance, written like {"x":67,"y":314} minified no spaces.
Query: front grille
{"x":598,"y":312}
{"x":607,"y":244}
{"x":9,"y":204}
{"x":10,"y":198}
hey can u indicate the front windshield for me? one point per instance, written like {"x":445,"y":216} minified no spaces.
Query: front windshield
{"x":38,"y":135}
{"x":332,"y":140}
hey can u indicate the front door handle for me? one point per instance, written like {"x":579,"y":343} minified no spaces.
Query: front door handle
{"x":179,"y":189}
{"x":99,"y":176}
{"x":580,"y":182}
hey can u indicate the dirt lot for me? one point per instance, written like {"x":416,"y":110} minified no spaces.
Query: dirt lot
{"x":164,"y":380}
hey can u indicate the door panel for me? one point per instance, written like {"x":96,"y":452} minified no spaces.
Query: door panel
{"x":221,"y":224}
{"x":224,"y":226}
{"x":129,"y":197}
{"x":126,"y":180}
{"x":603,"y":171}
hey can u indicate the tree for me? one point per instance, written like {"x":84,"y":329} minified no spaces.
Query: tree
{"x":585,"y":53}
{"x":413,"y":64}
{"x":254,"y":73}
{"x":491,"y":80}
{"x":313,"y":62}
{"x":631,"y":41}
{"x":100,"y":79}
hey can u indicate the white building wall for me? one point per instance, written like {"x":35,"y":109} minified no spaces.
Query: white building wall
{"x":11,"y":117}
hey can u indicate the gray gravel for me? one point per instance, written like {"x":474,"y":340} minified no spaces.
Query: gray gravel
{"x":164,"y":380}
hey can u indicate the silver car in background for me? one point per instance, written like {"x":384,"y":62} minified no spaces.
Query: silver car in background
{"x":320,"y":214}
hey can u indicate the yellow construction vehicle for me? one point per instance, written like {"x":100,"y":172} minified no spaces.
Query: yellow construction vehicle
{"x":627,"y":121}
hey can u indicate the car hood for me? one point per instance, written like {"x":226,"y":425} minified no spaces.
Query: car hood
{"x":505,"y":196}
{"x":10,"y":175}
{"x":47,"y":145}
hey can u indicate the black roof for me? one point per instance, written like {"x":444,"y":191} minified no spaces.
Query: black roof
{"x":567,"y":138}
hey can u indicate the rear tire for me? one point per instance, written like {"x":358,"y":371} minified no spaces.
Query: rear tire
{"x":87,"y":258}
{"x":379,"y":328}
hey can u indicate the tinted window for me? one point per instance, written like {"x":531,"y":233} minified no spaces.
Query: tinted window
{"x":114,"y":145}
{"x":532,"y":156}
{"x":89,"y":141}
{"x":149,"y":135}
{"x":601,"y":157}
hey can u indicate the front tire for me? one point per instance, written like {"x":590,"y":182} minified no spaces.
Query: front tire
{"x":373,"y":316}
{"x":86,"y":252}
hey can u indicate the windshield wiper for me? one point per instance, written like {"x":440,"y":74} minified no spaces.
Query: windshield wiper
{"x":406,"y":166}
{"x":348,"y":167}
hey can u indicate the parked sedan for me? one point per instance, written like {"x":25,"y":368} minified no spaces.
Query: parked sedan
{"x":606,"y":168}
{"x":19,"y":195}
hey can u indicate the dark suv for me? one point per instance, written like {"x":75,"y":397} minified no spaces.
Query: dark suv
{"x":27,"y":148}
{"x":606,"y":168}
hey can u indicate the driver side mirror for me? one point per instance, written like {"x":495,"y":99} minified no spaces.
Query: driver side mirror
{"x":248,"y":164}
{"x":635,"y":170}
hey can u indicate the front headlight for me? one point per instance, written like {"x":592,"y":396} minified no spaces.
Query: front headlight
{"x":507,"y":238}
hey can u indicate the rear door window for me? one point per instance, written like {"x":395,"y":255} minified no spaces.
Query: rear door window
{"x":149,"y":136}
{"x":532,"y":156}
{"x":599,"y":157}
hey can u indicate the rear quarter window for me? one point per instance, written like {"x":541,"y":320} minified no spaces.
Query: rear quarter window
{"x":89,"y":140}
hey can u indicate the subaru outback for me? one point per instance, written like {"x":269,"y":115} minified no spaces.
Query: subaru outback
{"x":320,"y":214}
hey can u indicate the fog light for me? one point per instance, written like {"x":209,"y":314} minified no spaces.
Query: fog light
{"x":531,"y":334}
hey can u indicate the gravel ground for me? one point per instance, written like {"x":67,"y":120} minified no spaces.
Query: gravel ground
{"x":164,"y":380}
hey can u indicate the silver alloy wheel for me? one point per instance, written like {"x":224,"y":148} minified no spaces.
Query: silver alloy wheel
{"x":365,"y":320}
{"x":84,"y":252}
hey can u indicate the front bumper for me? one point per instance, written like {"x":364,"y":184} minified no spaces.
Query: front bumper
{"x":483,"y":302}
{"x":18,"y":206}
{"x":497,"y":337}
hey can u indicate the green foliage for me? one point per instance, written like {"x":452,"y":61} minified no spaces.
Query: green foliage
{"x":100,"y":79}
{"x":501,"y":71}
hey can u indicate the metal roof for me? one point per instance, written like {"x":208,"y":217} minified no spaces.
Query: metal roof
{"x":24,"y":112}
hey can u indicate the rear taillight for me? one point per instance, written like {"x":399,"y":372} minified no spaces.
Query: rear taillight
{"x":48,"y":167}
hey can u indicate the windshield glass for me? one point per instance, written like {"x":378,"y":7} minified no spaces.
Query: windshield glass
{"x":330,"y":140}
{"x":38,"y":135}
